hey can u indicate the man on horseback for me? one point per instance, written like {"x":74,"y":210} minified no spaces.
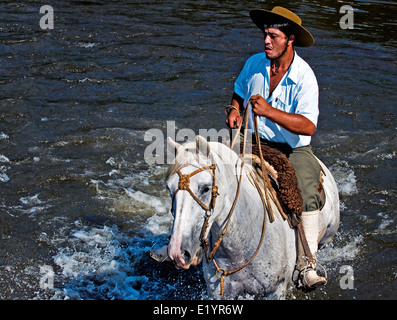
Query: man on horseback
{"x":283,"y":93}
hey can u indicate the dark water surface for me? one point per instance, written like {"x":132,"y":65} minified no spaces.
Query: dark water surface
{"x":76,"y":195}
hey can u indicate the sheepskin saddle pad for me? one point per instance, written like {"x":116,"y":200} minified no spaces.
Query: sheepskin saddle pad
{"x":286,"y":184}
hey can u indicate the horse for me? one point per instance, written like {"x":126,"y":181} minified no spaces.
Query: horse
{"x":215,"y":196}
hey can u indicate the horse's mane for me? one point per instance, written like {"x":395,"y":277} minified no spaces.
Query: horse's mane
{"x":189,"y":156}
{"x":184,"y":157}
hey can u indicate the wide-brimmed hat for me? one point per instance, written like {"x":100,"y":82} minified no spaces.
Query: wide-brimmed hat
{"x":261,"y":17}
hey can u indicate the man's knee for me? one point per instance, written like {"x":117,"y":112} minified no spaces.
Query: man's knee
{"x":308,"y":172}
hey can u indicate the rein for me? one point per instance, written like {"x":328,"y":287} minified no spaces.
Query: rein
{"x":184,"y":183}
{"x":221,"y":273}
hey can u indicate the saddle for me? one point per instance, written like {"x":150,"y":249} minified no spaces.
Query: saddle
{"x":283,"y":178}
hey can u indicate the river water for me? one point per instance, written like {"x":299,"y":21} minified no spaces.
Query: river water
{"x":79,"y":205}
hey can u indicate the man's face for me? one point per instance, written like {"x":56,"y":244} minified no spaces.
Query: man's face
{"x":275,"y":42}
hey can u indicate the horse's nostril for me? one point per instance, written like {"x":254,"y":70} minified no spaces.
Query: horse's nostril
{"x":186,"y":256}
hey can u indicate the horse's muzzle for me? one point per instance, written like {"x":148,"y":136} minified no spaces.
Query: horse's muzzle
{"x":185,"y":260}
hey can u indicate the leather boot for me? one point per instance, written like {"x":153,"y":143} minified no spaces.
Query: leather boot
{"x":308,"y":276}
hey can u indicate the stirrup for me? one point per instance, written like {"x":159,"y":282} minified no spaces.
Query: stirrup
{"x":308,"y":279}
{"x":311,"y":279}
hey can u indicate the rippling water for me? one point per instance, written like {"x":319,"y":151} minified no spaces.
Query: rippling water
{"x":78,"y":198}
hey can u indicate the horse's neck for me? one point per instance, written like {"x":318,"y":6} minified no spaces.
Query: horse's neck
{"x":246,"y":225}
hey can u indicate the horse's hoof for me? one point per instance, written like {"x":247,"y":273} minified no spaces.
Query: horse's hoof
{"x":161,"y":256}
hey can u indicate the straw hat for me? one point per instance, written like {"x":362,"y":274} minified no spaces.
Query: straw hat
{"x":260,"y":17}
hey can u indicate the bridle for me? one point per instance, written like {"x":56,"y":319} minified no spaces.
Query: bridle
{"x":184,"y":184}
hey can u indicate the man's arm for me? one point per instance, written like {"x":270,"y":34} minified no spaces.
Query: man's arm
{"x":295,"y":123}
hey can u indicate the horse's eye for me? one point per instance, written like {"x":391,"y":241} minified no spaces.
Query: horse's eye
{"x":206,"y":189}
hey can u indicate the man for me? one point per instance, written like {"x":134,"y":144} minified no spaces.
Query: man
{"x":283,"y":93}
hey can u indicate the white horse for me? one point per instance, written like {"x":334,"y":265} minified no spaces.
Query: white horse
{"x":198,"y":168}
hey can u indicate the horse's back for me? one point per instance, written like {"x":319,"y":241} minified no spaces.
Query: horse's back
{"x":331,"y":209}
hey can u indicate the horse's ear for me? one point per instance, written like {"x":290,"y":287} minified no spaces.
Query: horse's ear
{"x":172,"y":145}
{"x":202,"y":146}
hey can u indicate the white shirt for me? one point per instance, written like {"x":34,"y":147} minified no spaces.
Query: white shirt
{"x":297,"y":92}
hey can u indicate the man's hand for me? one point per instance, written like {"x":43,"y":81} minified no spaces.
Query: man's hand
{"x":233,"y":120}
{"x":260,"y":106}
{"x":295,"y":123}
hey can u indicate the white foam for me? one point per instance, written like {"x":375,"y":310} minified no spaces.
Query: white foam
{"x":158,"y":224}
{"x":147,"y":199}
{"x":111,"y":161}
{"x":99,"y":257}
{"x":385,"y":223}
{"x":3,"y":136}
{"x":347,"y":252}
{"x":92,"y":239}
{"x":98,"y":263}
{"x":4,"y":177}
{"x":90,"y":80}
{"x":3,"y":169}
{"x":86,"y":44}
{"x":127,"y":179}
{"x":4,"y":159}
{"x":33,"y":200}
{"x":344,"y":177}
{"x":113,"y":172}
{"x":387,"y":156}
{"x":31,"y":205}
